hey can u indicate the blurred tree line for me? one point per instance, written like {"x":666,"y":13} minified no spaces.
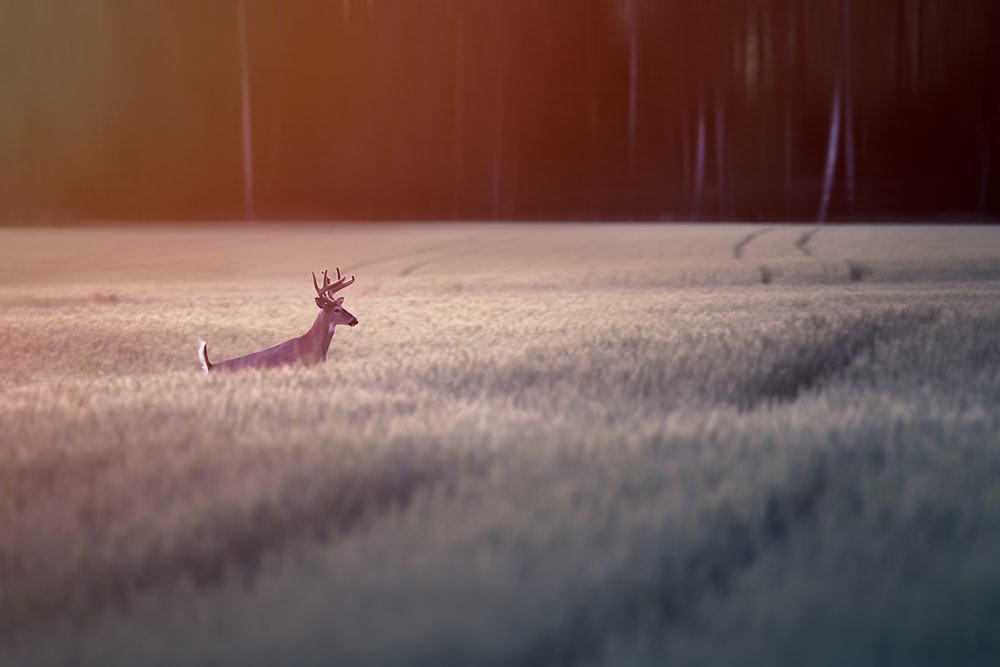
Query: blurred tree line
{"x":498,"y":109}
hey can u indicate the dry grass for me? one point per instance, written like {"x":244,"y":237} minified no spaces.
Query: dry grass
{"x":542,"y":445}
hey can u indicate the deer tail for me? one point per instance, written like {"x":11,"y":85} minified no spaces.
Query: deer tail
{"x":206,"y":365}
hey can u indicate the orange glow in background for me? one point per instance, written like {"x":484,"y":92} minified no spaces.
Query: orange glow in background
{"x":446,"y":109}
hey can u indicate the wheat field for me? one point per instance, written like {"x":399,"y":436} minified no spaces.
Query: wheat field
{"x":543,"y":445}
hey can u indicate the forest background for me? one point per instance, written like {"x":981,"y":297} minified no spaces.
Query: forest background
{"x":112,"y":110}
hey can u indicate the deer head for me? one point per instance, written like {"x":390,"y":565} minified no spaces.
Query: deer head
{"x":333,"y":310}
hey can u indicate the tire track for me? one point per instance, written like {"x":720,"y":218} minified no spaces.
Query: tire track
{"x":401,"y":255}
{"x":471,"y":250}
{"x":747,"y":240}
{"x":729,"y":550}
{"x":802,"y":243}
{"x":820,"y":358}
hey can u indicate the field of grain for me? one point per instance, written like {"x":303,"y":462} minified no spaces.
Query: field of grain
{"x":542,"y":445}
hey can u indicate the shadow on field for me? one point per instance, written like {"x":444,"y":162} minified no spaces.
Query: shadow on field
{"x":742,"y":368}
{"x":819,"y":352}
{"x":320,"y":507}
{"x":684,"y":579}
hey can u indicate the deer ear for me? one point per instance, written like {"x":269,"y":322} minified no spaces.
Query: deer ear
{"x":319,"y":302}
{"x":339,"y":300}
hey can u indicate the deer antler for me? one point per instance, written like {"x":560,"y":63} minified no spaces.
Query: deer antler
{"x":328,"y":287}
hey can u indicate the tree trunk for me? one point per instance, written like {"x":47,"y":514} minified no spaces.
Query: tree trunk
{"x":831,"y":152}
{"x":248,"y":193}
{"x":498,"y":146}
{"x":633,"y":82}
{"x":633,"y":100}
{"x":685,"y":154}
{"x":699,"y":158}
{"x":784,"y":27}
{"x":720,"y":151}
{"x":788,"y":154}
{"x":849,"y":162}
{"x":593,"y":126}
{"x":850,"y":179}
{"x":900,"y":67}
{"x":984,"y":167}
{"x":459,"y":116}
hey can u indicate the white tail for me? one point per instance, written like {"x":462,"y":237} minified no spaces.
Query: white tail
{"x":309,"y":348}
{"x":203,"y":355}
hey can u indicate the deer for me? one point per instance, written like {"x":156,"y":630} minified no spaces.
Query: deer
{"x":308,"y":349}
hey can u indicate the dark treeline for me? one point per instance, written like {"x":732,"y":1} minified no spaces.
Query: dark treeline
{"x":499,"y":109}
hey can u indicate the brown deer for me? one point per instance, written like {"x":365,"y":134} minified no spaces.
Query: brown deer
{"x":308,"y":349}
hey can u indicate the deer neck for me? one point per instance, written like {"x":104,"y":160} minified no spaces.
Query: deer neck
{"x":320,"y":334}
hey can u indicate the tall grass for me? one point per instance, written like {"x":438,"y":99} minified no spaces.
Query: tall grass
{"x":541,"y":446}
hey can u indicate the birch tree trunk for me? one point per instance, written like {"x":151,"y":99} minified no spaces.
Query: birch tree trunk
{"x":833,"y":142}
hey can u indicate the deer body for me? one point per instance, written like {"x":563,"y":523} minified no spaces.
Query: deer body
{"x":308,"y":349}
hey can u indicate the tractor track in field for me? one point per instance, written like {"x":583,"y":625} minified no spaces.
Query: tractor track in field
{"x":747,"y":240}
{"x":401,"y":255}
{"x":802,"y":243}
{"x":470,"y":250}
{"x":730,"y":548}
